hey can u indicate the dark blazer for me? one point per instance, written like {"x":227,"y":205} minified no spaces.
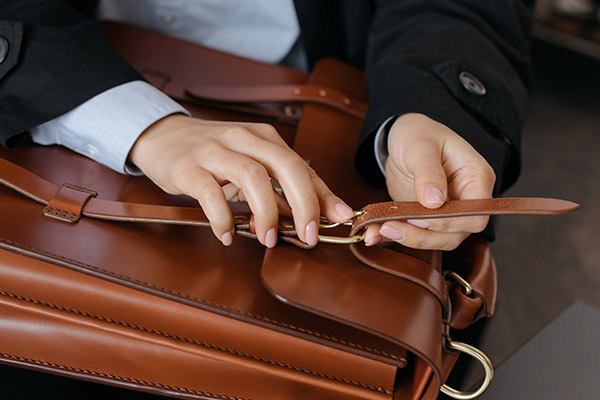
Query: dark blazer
{"x":464,"y":63}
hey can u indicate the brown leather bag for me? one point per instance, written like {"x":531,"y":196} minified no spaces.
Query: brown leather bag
{"x":104,"y":277}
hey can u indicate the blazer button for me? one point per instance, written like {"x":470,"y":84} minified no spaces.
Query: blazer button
{"x":471,"y":83}
{"x":3,"y":48}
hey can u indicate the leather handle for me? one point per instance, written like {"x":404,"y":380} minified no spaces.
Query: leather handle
{"x":281,"y":93}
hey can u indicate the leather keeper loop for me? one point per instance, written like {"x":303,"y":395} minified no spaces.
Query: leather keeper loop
{"x":68,"y":203}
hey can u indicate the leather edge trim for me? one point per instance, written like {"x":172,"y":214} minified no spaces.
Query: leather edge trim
{"x":193,"y":341}
{"x":102,"y":377}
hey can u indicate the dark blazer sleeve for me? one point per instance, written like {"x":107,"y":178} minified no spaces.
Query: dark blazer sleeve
{"x":56,"y":60}
{"x":464,"y":63}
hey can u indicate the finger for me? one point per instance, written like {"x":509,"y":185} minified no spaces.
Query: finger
{"x":302,"y":198}
{"x":452,"y":225}
{"x":423,"y":161}
{"x":232,"y":192}
{"x":474,"y":181}
{"x":372,"y":236}
{"x":332,"y":207}
{"x":252,"y":178}
{"x":284,"y":207}
{"x":201,"y":185}
{"x":283,"y":164}
{"x":411,"y":236}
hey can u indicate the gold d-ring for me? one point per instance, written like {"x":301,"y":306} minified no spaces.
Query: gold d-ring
{"x":485,"y":362}
{"x":467,"y":288}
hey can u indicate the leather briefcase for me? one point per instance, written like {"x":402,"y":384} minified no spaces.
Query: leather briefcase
{"x":104,"y":277}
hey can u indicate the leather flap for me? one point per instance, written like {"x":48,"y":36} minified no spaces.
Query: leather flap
{"x":331,"y":282}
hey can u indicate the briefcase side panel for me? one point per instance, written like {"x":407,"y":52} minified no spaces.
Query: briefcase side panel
{"x":161,"y":324}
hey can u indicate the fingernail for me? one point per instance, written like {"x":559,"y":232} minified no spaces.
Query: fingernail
{"x":311,"y":233}
{"x":421,"y":223}
{"x":372,"y":241}
{"x":344,"y":211}
{"x":391,"y":232}
{"x":227,"y":238}
{"x":433,"y":195}
{"x":271,"y":238}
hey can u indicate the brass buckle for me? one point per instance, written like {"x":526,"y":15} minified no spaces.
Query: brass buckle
{"x":342,"y":239}
{"x":324,"y":223}
{"x":485,"y":362}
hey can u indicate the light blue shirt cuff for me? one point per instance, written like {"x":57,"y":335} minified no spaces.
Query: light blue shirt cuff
{"x":106,"y":127}
{"x":380,"y":143}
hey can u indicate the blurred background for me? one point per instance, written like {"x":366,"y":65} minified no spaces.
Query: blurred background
{"x":547,"y":263}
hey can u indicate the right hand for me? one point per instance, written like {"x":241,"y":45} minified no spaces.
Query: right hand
{"x":183,"y":155}
{"x":430,"y":163}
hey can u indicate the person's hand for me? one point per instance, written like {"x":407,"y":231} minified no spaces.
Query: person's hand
{"x":430,"y":163}
{"x":205,"y":159}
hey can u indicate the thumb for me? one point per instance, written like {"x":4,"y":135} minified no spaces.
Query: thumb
{"x":430,"y":181}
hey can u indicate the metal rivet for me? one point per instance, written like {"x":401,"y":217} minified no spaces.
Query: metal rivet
{"x":167,"y":18}
{"x":347,"y":101}
{"x":471,"y":83}
{"x":3,"y":48}
{"x":289,"y":111}
{"x":296,"y":91}
{"x":322,"y":93}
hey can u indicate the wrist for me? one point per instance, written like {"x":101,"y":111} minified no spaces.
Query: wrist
{"x":148,"y":139}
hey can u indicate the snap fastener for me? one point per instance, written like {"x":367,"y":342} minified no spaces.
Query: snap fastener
{"x":167,"y":19}
{"x":471,"y":83}
{"x":3,"y":48}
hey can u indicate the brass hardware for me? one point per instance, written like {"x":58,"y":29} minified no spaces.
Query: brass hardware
{"x":276,"y":186}
{"x":485,"y":362}
{"x":341,"y":239}
{"x":287,"y":224}
{"x":324,"y":223}
{"x":466,"y":286}
{"x":240,"y":219}
{"x":289,"y":111}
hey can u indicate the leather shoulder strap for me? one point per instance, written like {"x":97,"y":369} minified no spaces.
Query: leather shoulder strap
{"x":65,"y":201}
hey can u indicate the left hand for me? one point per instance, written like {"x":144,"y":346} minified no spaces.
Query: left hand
{"x":430,"y":163}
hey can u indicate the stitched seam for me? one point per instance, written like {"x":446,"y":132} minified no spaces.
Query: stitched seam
{"x":60,"y":213}
{"x":80,"y":189}
{"x":118,"y":377}
{"x":195,"y":342}
{"x":207,"y":302}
